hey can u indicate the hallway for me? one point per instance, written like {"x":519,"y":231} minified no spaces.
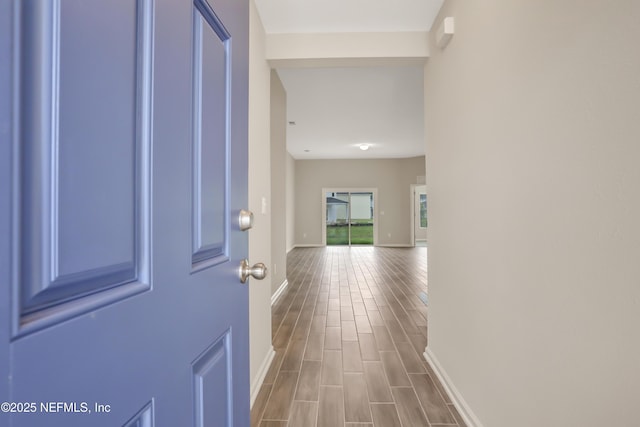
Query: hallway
{"x":349,"y":333}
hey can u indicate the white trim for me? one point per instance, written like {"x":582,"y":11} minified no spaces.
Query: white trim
{"x":262,"y":372}
{"x":310,"y":245}
{"x":395,"y":245}
{"x":279,"y":291}
{"x":470,"y":419}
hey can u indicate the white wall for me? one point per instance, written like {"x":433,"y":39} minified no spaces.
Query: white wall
{"x":259,"y":187}
{"x":278,"y":183}
{"x":533,"y":144}
{"x":290,"y":200}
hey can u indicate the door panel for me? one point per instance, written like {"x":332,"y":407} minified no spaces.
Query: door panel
{"x":125,"y":164}
{"x":337,"y":218}
{"x":82,"y":233}
{"x":211,"y":89}
{"x":361,"y":222}
{"x":212,"y":379}
{"x":144,"y":418}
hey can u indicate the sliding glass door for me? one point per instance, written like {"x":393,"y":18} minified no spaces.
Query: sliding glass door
{"x":349,"y":218}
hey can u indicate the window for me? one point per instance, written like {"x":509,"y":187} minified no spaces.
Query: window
{"x":423,"y":211}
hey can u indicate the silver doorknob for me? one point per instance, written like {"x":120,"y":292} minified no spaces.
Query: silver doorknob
{"x":245,"y":220}
{"x":258,"y":271}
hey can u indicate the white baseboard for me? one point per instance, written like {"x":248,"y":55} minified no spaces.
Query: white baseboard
{"x":262,"y":372}
{"x":279,"y":291}
{"x":470,"y":419}
{"x":310,"y":245}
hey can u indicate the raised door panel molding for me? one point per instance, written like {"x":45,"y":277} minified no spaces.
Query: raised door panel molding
{"x":211,"y":126}
{"x":85,"y":114}
{"x":212,"y":375}
{"x":144,"y":418}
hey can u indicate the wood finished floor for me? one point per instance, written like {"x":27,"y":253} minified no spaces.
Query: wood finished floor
{"x":349,"y":333}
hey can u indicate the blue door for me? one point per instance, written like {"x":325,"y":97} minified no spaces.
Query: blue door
{"x":123,"y":169}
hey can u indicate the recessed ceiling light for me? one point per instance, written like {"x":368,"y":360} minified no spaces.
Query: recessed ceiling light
{"x":364,"y":147}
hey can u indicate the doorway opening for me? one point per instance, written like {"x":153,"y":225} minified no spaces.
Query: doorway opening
{"x":349,"y":217}
{"x":419,"y":215}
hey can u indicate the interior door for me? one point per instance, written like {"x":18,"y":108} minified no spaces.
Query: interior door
{"x":123,"y":170}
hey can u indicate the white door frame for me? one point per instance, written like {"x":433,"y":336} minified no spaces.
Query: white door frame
{"x":349,"y":190}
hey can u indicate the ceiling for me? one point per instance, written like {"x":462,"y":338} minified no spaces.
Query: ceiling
{"x":331,"y":111}
{"x":337,"y":109}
